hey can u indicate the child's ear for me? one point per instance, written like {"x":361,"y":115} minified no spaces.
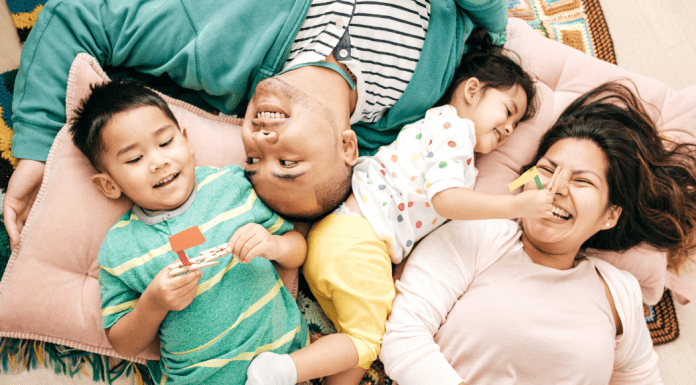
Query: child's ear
{"x":350,"y":147}
{"x":185,"y":134}
{"x":106,"y":185}
{"x":471,"y":88}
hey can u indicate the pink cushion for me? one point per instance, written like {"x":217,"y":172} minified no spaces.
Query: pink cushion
{"x":50,"y":290}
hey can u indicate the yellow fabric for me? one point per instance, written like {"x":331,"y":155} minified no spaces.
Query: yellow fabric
{"x":350,"y":274}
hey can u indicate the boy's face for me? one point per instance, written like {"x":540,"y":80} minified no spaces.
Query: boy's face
{"x":147,"y":158}
{"x":294,"y":146}
{"x":495,"y":113}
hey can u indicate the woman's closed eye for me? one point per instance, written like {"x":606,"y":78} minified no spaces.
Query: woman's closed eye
{"x":167,"y":142}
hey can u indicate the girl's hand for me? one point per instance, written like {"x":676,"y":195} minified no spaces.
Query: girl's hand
{"x":253,"y":240}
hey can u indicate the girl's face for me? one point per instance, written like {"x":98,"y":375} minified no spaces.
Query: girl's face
{"x":581,"y":201}
{"x":495,"y":113}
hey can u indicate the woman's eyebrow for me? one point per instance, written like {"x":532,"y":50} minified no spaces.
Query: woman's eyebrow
{"x":573,"y":172}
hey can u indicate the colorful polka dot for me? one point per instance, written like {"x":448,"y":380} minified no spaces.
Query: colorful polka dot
{"x":394,"y":158}
{"x":383,"y":173}
{"x":442,"y":164}
{"x":416,"y":157}
{"x":394,"y":175}
{"x":434,"y":220}
{"x":410,"y":204}
{"x":384,"y":203}
{"x":402,"y":207}
{"x":399,"y":218}
{"x":419,"y":224}
{"x":468,"y":161}
{"x":452,"y":143}
{"x":382,"y":186}
{"x":428,"y":184}
{"x":419,"y":192}
{"x":430,"y":154}
{"x":413,"y":178}
{"x":409,"y":243}
{"x":365,"y":198}
{"x":419,"y":136}
{"x":427,"y":204}
{"x":447,"y":125}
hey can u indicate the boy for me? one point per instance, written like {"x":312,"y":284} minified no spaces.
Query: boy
{"x":398,"y":196}
{"x":210,"y":322}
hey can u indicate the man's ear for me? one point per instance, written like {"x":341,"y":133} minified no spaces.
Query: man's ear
{"x":350,"y":147}
{"x":106,"y":185}
{"x":612,"y":216}
{"x":471,"y":89}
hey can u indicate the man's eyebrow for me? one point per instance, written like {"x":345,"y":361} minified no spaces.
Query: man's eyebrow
{"x":284,"y":176}
{"x":288,"y":176}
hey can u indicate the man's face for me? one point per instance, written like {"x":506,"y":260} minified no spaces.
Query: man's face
{"x":294,"y":145}
{"x":148,"y":158}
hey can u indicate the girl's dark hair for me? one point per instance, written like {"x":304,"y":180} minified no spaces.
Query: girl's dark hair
{"x":106,"y":100}
{"x":651,"y":178}
{"x":492,"y":66}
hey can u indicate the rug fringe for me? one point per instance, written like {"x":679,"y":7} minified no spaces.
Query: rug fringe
{"x":19,"y":354}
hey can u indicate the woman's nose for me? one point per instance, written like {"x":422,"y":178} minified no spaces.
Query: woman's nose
{"x":263,"y":136}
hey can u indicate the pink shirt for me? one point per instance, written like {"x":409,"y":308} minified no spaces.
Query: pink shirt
{"x":472,"y":307}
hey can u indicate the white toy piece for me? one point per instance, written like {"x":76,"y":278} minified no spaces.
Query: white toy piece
{"x":205,"y":258}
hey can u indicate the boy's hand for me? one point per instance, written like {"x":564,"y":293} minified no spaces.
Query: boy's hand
{"x":253,"y":240}
{"x":173,"y":293}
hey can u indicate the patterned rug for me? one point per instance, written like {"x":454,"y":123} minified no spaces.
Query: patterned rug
{"x":576,"y":23}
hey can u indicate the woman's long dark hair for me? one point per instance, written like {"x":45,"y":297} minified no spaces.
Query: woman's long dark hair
{"x":651,"y":178}
{"x":494,"y":67}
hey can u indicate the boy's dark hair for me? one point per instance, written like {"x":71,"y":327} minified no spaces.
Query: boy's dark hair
{"x":491,"y":65}
{"x":106,"y":100}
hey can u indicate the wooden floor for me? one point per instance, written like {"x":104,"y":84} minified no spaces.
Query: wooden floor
{"x":655,"y":38}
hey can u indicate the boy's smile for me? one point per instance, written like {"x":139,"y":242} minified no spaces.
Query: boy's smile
{"x":148,"y":159}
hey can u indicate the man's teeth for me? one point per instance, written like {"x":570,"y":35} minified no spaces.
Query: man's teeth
{"x":165,"y":181}
{"x":560,"y":213}
{"x":271,"y":115}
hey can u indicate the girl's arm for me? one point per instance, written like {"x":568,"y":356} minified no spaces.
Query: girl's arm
{"x":465,"y":204}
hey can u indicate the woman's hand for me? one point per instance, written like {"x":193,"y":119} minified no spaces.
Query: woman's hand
{"x":21,"y":192}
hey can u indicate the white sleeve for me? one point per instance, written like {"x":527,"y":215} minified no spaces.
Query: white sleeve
{"x":449,"y":161}
{"x":635,"y":360}
{"x":439,"y":270}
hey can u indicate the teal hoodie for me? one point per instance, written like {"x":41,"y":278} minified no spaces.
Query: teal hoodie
{"x":221,"y":48}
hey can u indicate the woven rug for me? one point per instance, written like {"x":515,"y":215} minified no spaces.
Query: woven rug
{"x":576,"y":23}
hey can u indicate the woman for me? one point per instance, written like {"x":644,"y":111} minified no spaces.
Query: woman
{"x":484,"y":302}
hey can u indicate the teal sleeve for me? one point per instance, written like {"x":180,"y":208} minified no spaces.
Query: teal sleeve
{"x":117,"y":298}
{"x":491,"y":14}
{"x":114,"y":32}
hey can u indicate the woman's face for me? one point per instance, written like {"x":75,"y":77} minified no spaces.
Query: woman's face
{"x":581,"y":199}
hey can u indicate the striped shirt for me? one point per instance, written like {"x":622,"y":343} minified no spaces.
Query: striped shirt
{"x":380,"y":41}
